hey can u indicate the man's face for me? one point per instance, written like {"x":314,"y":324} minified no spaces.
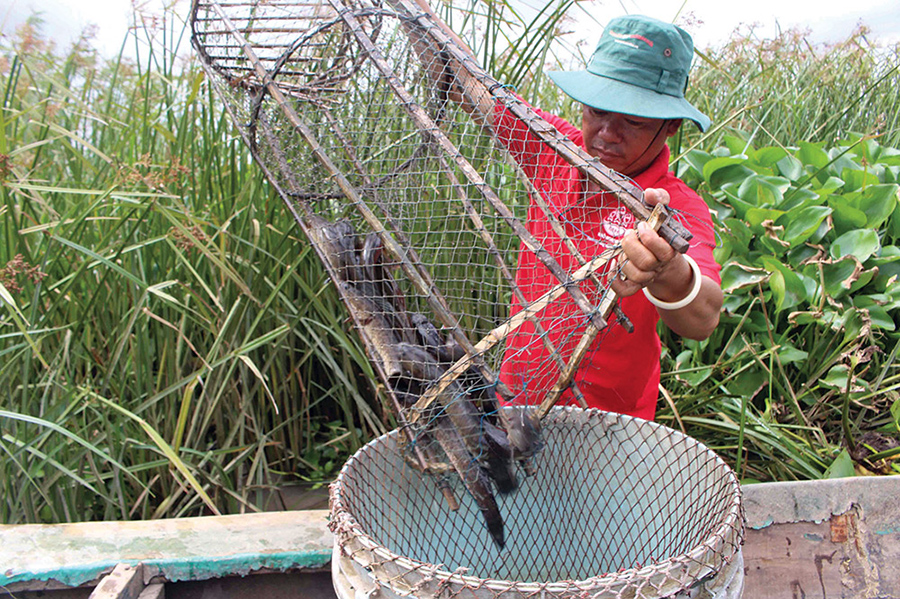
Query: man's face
{"x":625,"y":143}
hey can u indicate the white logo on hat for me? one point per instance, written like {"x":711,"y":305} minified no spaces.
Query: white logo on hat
{"x":623,"y":38}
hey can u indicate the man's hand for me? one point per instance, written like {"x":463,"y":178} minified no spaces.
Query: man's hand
{"x":648,"y":261}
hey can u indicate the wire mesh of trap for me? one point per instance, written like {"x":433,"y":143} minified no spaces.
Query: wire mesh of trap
{"x":617,"y":507}
{"x":451,"y":217}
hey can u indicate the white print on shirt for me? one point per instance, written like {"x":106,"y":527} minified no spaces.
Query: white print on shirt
{"x":616,"y":223}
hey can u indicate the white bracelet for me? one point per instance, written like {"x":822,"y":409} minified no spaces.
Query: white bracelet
{"x":684,"y":301}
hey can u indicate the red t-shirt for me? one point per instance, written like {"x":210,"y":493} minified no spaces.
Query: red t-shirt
{"x":620,"y":373}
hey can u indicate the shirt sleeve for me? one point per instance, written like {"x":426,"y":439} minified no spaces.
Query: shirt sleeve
{"x":524,"y":146}
{"x":694,"y":214}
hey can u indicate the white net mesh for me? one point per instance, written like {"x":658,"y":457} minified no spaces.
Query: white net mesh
{"x":616,"y":507}
{"x":442,"y":206}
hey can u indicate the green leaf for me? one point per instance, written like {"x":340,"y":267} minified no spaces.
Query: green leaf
{"x":878,"y":202}
{"x":757,"y":216}
{"x":735,"y":302}
{"x":787,"y":287}
{"x":836,"y":377}
{"x":895,"y":413}
{"x":195,"y":87}
{"x":790,"y":167}
{"x":799,"y":226}
{"x":697,"y":159}
{"x":736,"y":145}
{"x":854,"y":325}
{"x":737,"y":276}
{"x":739,"y":205}
{"x":798,"y":256}
{"x":810,"y":284}
{"x":770,"y":155}
{"x":839,"y":276}
{"x":861,"y":244}
{"x":857,"y":179}
{"x":878,"y":315}
{"x":830,"y":185}
{"x":719,"y":171}
{"x":788,"y":354}
{"x":888,"y":264}
{"x":893,"y":227}
{"x":843,"y":164}
{"x":748,"y":383}
{"x":845,"y":215}
{"x":741,"y":233}
{"x":823,"y":230}
{"x":841,"y":467}
{"x":812,"y":155}
{"x":867,"y":149}
{"x":763,"y":191}
{"x":889,"y":253}
{"x":795,"y":199}
{"x":865,"y":277}
{"x":807,"y":318}
{"x":693,"y":376}
{"x":889,"y":157}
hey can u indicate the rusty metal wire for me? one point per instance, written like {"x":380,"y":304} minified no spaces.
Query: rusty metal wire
{"x":418,"y":180}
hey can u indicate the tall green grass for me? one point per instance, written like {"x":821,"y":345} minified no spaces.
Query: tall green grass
{"x":785,"y":90}
{"x":177,"y":349}
{"x":169,"y":345}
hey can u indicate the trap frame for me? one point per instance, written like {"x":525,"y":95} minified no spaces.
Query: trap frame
{"x":364,"y":115}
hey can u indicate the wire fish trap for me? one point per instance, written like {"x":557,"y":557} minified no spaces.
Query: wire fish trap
{"x":618,"y":507}
{"x":420,"y":214}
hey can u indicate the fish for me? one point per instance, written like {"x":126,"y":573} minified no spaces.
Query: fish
{"x":337,"y":243}
{"x":371,"y":256}
{"x":375,"y":327}
{"x":427,"y":335}
{"x":453,"y":400}
{"x":480,"y":442}
{"x":473,"y":478}
{"x":378,"y":283}
{"x":499,"y":458}
{"x":483,"y":440}
{"x":523,"y":429}
{"x":448,"y":351}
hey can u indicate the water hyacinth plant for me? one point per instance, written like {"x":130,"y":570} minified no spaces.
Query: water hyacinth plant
{"x":807,"y":346}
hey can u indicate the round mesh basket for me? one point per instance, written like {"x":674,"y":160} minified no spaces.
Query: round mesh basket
{"x":615,"y":507}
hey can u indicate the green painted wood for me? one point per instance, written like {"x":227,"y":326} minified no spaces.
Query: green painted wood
{"x":176,"y":549}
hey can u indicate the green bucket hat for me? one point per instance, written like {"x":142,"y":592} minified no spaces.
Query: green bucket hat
{"x":640,"y":67}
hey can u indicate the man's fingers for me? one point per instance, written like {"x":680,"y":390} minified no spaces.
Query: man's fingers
{"x":645,"y":248}
{"x":654,"y":196}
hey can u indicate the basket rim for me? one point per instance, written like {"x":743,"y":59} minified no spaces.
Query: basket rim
{"x":729,"y":532}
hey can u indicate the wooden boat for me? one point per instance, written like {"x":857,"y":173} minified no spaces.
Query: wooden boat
{"x":836,"y":538}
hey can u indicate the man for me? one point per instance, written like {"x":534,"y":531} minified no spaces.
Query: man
{"x":632,"y":92}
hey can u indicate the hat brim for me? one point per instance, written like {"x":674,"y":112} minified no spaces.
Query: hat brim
{"x":608,"y":94}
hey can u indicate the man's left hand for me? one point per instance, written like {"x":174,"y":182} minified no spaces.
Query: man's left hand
{"x":648,"y":261}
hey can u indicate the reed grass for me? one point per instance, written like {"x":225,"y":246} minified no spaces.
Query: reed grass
{"x":177,"y":349}
{"x":787,"y":89}
{"x":169,"y":345}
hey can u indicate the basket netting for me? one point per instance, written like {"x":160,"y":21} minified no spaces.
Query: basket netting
{"x":473,"y":279}
{"x":617,"y":507}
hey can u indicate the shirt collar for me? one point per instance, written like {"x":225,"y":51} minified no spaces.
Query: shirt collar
{"x":651,"y":177}
{"x":658,"y":169}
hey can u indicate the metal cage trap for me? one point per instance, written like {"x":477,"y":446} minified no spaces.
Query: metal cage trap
{"x":396,"y":155}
